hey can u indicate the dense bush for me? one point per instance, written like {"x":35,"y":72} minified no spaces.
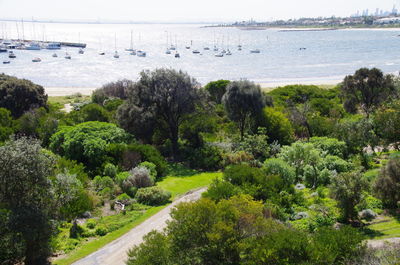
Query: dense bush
{"x":129,"y":156}
{"x":6,"y":124}
{"x":139,"y":178}
{"x":206,"y":158}
{"x":87,"y":142}
{"x":152,"y":196}
{"x":20,"y":95}
{"x":387,"y":185}
{"x":217,"y":89}
{"x":89,"y":112}
{"x":278,"y":126}
{"x":330,"y":145}
{"x":118,"y":89}
{"x":276,"y":166}
{"x":241,"y":174}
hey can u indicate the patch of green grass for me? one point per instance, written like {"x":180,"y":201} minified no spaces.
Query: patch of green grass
{"x":179,"y":185}
{"x":385,"y":227}
{"x":96,"y":244}
{"x":62,"y":100}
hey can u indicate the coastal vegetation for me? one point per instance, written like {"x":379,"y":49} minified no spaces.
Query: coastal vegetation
{"x":296,"y":175}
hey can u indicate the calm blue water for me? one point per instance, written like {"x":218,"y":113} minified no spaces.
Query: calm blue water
{"x":329,"y":56}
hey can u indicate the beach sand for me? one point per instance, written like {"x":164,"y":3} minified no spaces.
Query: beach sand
{"x":67,"y":91}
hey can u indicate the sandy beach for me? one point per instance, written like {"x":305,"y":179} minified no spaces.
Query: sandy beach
{"x":67,"y":91}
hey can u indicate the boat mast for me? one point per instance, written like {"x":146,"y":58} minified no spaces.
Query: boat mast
{"x":131,"y":40}
{"x":23,"y":31}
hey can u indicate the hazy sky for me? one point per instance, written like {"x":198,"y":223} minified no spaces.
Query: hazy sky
{"x":185,"y":10}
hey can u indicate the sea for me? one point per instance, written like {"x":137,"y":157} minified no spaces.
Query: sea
{"x":285,"y":56}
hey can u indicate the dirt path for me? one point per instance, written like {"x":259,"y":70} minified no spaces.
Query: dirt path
{"x":379,"y":243}
{"x":115,"y":253}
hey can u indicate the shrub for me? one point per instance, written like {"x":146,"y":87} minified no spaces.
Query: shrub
{"x":221,"y":190}
{"x":241,"y":174}
{"x":152,"y":196}
{"x":91,"y":223}
{"x":276,"y":166}
{"x":100,"y":183}
{"x":110,"y":170}
{"x":206,"y":158}
{"x":123,"y":197}
{"x":387,"y":186}
{"x":76,"y":230}
{"x":278,"y":126}
{"x":367,"y":215}
{"x":101,"y":231}
{"x":332,"y":146}
{"x":139,"y":178}
{"x":151,"y":167}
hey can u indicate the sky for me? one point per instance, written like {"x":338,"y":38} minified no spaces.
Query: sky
{"x":185,"y":10}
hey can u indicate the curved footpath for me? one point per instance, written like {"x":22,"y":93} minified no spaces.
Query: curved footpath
{"x":115,"y":253}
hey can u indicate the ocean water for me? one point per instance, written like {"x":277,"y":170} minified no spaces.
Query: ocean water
{"x":329,"y":55}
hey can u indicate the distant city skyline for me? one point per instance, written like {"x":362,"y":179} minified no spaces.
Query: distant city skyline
{"x":188,"y":11}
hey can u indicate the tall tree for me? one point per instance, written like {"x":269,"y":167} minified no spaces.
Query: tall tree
{"x":243,"y":102}
{"x":367,"y":89}
{"x":26,"y":192}
{"x":163,"y":97}
{"x":387,"y":186}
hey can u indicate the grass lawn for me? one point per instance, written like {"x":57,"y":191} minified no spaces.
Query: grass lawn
{"x":179,"y":182}
{"x":179,"y":185}
{"x":385,"y":227}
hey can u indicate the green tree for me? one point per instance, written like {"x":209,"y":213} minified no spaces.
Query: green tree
{"x":366,"y":89}
{"x":387,"y":186}
{"x":26,"y":191}
{"x":90,"y":112}
{"x":277,"y":125}
{"x":87,"y":142}
{"x":20,"y":95}
{"x":217,"y":89}
{"x":243,"y":102}
{"x":347,"y":189}
{"x":163,"y":96}
{"x":386,"y":121}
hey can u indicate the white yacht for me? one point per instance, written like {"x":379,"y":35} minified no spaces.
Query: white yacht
{"x":130,"y":49}
{"x":196,"y":51}
{"x":168,"y":51}
{"x":67,"y":56}
{"x":133,"y":52}
{"x":36,"y":60}
{"x":220,"y":54}
{"x":55,"y":55}
{"x":116,"y":55}
{"x":6,"y":62}
{"x":33,"y":46}
{"x":81,"y":51}
{"x":228,"y":52}
{"x":177,"y":55}
{"x":206,"y":48}
{"x":102,"y":53}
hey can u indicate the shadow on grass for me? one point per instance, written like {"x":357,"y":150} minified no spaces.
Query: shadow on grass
{"x":370,"y":233}
{"x":180,"y":170}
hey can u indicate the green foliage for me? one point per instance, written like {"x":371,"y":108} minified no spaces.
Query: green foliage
{"x":100,"y":183}
{"x":387,"y":123}
{"x":366,"y":89}
{"x":207,"y":157}
{"x":221,"y":190}
{"x":72,"y":167}
{"x":118,"y":89}
{"x":154,"y":250}
{"x":330,"y":145}
{"x":151,"y":167}
{"x":26,"y":192}
{"x":110,"y":170}
{"x":243,"y":102}
{"x":241,"y":174}
{"x":255,"y":144}
{"x":20,"y":95}
{"x":139,"y":177}
{"x":87,"y":142}
{"x":89,"y":112}
{"x":387,"y":185}
{"x":159,"y":100}
{"x":6,"y":124}
{"x":152,"y":196}
{"x":277,"y":125}
{"x":217,"y":89}
{"x":91,"y":223}
{"x":276,"y":166}
{"x":129,"y":156}
{"x":347,"y":189}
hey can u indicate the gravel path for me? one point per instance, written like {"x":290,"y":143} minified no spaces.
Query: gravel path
{"x":115,"y":253}
{"x":379,"y":243}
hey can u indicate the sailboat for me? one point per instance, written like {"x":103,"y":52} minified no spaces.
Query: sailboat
{"x":140,"y":53}
{"x":81,"y":51}
{"x":168,"y":50}
{"x":130,"y":49}
{"x":116,"y":55}
{"x":177,"y":55}
{"x":239,"y":45}
{"x":101,"y":52}
{"x":67,"y":56}
{"x":55,"y":55}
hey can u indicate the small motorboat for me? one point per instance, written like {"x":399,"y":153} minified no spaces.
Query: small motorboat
{"x":255,"y":51}
{"x":168,"y":51}
{"x":206,"y":48}
{"x":215,"y":48}
{"x":195,"y":51}
{"x":228,"y":53}
{"x":81,"y":51}
{"x":187,"y":47}
{"x":140,"y":53}
{"x":55,"y":55}
{"x":3,"y":49}
{"x":36,"y":60}
{"x":219,"y":54}
{"x":172,"y":48}
{"x":116,"y":55}
{"x":102,"y":53}
{"x":6,"y":62}
{"x":11,"y":55}
{"x":67,"y":56}
{"x":34,"y":46}
{"x":133,"y":52}
{"x":177,"y":55}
